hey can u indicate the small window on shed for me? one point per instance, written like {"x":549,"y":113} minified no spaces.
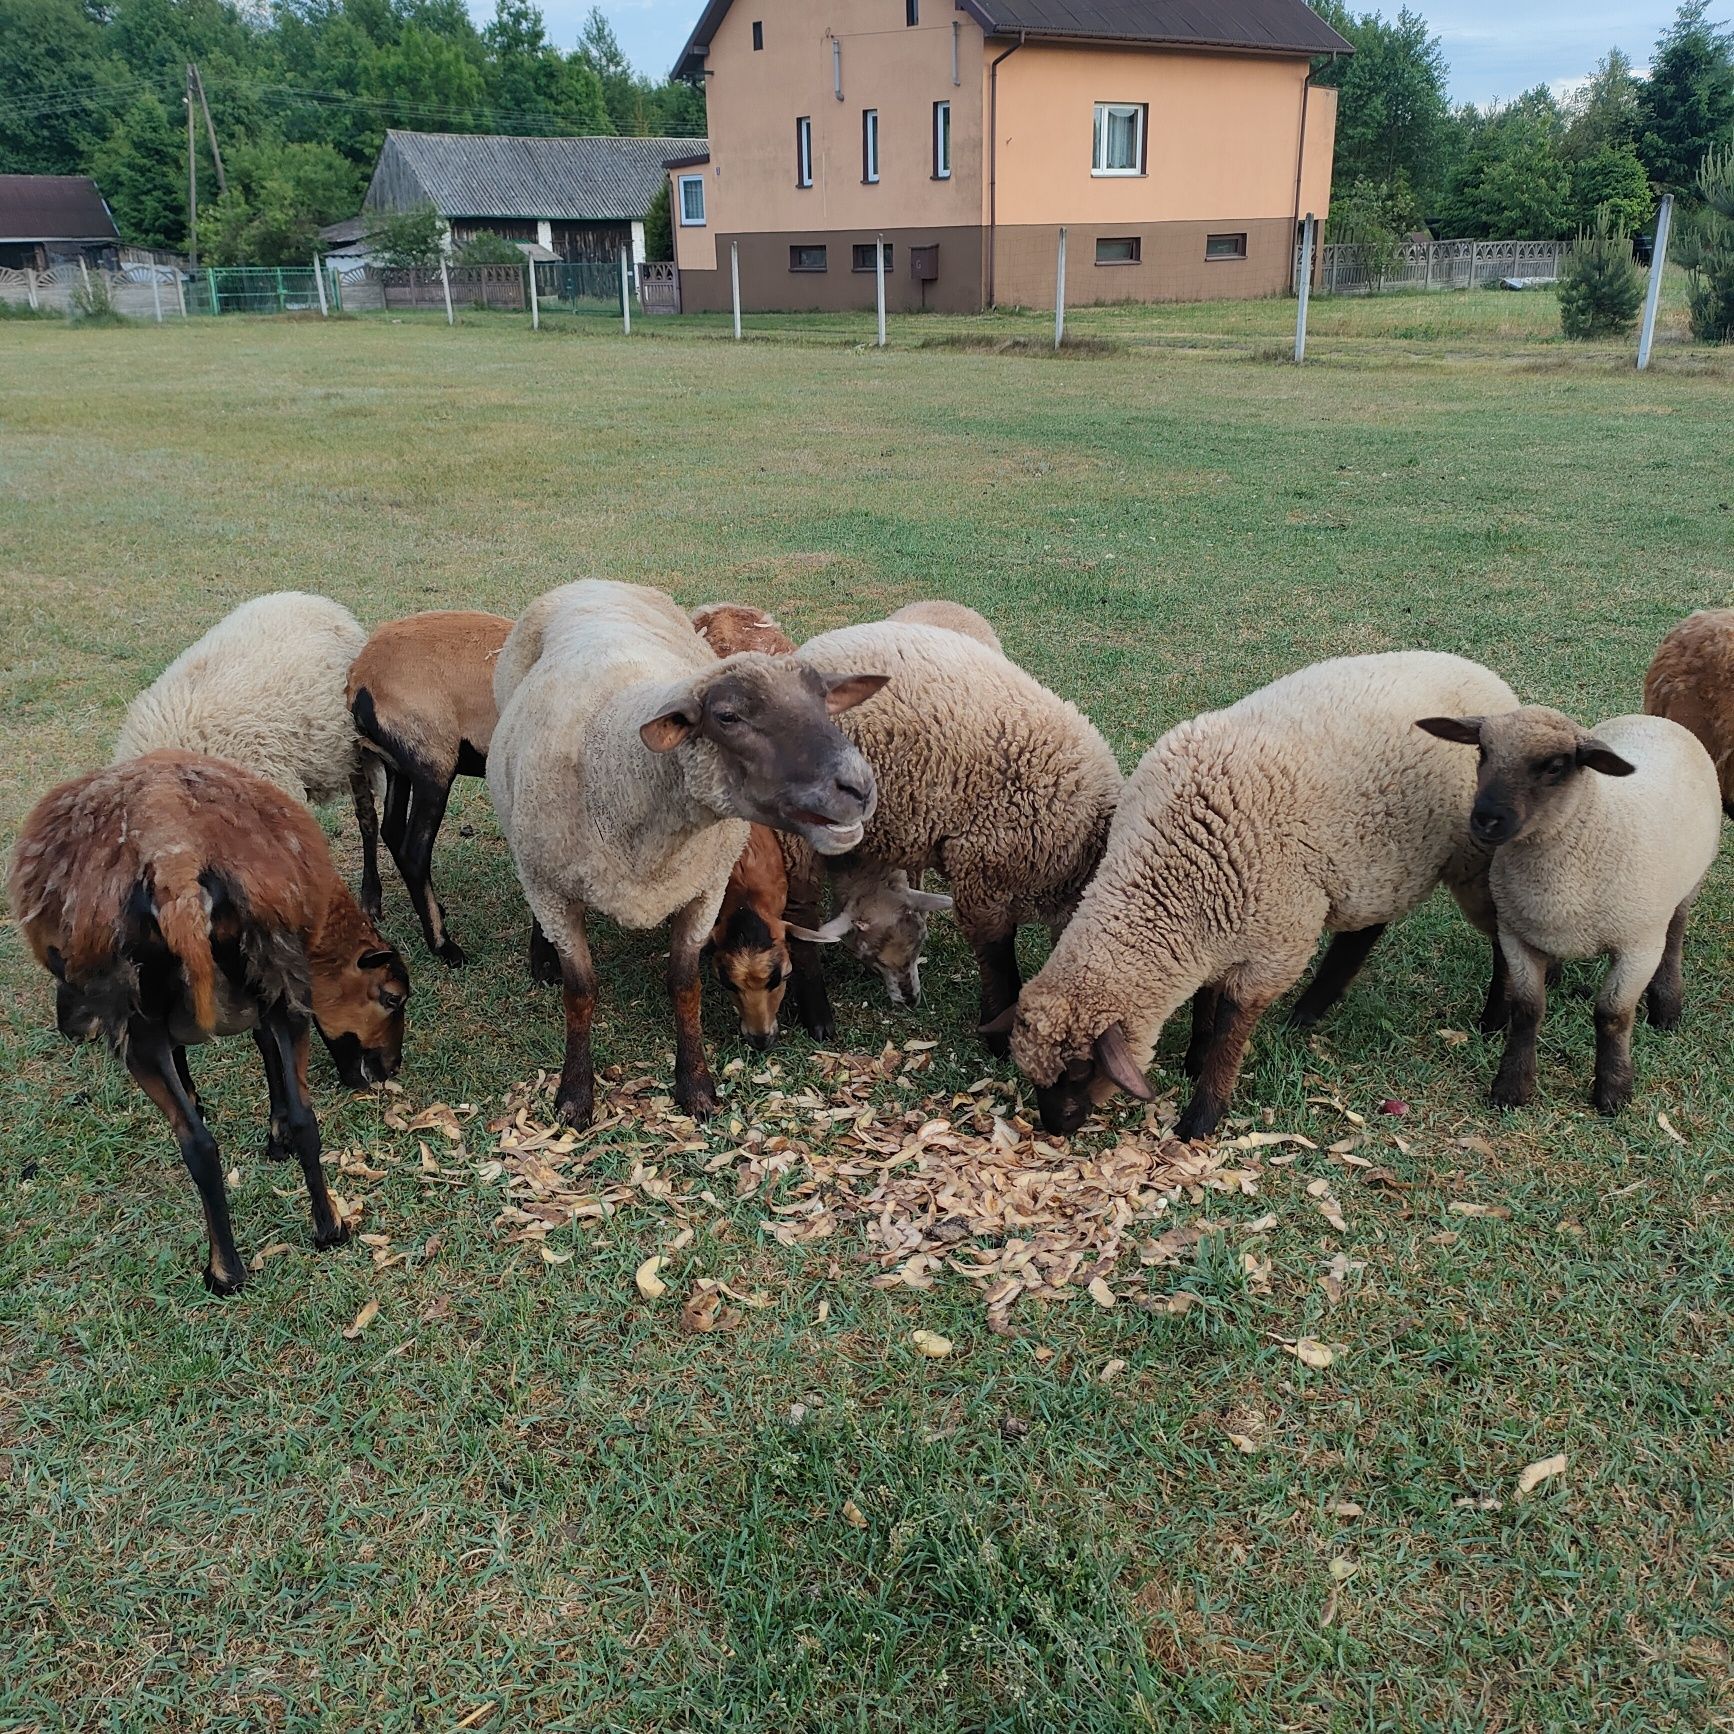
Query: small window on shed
{"x":806,"y":258}
{"x":1225,"y":246}
{"x":864,"y":257}
{"x":911,"y":12}
{"x":758,"y":34}
{"x":1119,"y":249}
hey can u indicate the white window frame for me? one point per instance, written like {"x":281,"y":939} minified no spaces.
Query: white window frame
{"x":1099,"y":150}
{"x":803,"y":150}
{"x":942,"y":141}
{"x":870,"y":146}
{"x":683,"y":182}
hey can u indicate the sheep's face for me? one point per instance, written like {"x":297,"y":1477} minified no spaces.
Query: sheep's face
{"x":885,"y":925}
{"x":1069,"y":1087}
{"x":765,"y":747}
{"x":1530,"y":769}
{"x":751,"y":960}
{"x":358,"y":1004}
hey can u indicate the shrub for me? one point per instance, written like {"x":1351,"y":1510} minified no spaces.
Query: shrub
{"x":1600,"y":287}
{"x":1707,"y":249}
{"x":411,"y":237}
{"x":92,"y":301}
{"x":659,"y":228}
{"x":487,"y":248}
{"x":1370,"y":218}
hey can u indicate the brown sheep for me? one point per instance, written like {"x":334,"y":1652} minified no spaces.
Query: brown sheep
{"x":175,"y":898}
{"x":422,"y":695}
{"x":1691,"y":682}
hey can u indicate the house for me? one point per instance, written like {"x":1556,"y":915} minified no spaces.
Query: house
{"x":1179,"y":142}
{"x":580,"y":198}
{"x":350,"y":243}
{"x":47,"y":220}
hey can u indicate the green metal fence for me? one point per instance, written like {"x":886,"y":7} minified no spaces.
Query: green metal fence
{"x":257,"y":289}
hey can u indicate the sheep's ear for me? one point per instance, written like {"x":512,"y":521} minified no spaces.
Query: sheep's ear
{"x":831,"y":933}
{"x":1001,"y":1025}
{"x":845,"y":691}
{"x":662,"y":734}
{"x":1593,"y":755}
{"x":1464,"y":730}
{"x":1114,"y":1056}
{"x":928,"y":902}
{"x":376,"y":959}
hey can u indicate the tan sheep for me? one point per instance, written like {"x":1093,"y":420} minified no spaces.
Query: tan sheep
{"x":954,"y":617}
{"x":1691,"y":682}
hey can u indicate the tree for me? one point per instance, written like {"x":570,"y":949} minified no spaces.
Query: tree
{"x":53,"y":46}
{"x":1514,"y":183}
{"x":141,"y":168}
{"x":659,"y":227}
{"x":1365,"y":216}
{"x":1391,"y":104}
{"x":599,"y":48}
{"x":526,"y":72}
{"x":1707,"y":248}
{"x":1687,"y":102}
{"x":1600,"y":287}
{"x":1603,"y":111}
{"x":412,"y":237}
{"x":1611,"y":176}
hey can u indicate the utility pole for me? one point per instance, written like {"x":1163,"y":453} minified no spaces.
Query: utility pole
{"x":192,"y":179}
{"x":210,"y":129}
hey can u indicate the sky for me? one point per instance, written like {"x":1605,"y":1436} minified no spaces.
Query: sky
{"x":1494,"y":48}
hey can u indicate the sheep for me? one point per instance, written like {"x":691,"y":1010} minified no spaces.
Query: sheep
{"x":421,"y":692}
{"x":1589,"y":866}
{"x":625,"y":765}
{"x":176,"y":898}
{"x":1311,"y":804}
{"x":728,"y":627}
{"x":984,"y":775}
{"x":954,"y":617}
{"x":1691,"y":682}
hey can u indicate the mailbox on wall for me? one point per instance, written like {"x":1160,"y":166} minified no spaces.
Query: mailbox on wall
{"x":924,"y":263}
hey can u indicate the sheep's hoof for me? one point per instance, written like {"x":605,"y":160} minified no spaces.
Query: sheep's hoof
{"x":545,"y":969}
{"x":217,"y":1283}
{"x":372,"y":905}
{"x":1198,"y":1121}
{"x":697,"y":1097}
{"x":453,"y":956}
{"x":1662,"y":1014}
{"x":277,"y":1145}
{"x":998,"y":1044}
{"x":336,"y":1235}
{"x":1517,"y":1093}
{"x":1611,"y":1095}
{"x":575,"y":1111}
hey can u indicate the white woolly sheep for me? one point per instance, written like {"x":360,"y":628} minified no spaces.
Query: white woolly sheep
{"x":1311,"y":804}
{"x":625,"y":766}
{"x":985,"y":776}
{"x":1691,"y":682}
{"x":1604,"y":864}
{"x":954,"y":617}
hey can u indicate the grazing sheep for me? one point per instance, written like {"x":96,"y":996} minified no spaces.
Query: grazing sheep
{"x":421,"y":692}
{"x":1602,"y":865}
{"x":748,"y":947}
{"x":625,"y":760}
{"x":985,"y":776}
{"x":176,"y":898}
{"x":1691,"y":682}
{"x":1311,"y":804}
{"x":954,"y":617}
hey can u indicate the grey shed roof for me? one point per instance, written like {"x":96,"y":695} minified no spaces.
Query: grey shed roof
{"x":488,"y":175}
{"x":1249,"y":26}
{"x":54,"y":208}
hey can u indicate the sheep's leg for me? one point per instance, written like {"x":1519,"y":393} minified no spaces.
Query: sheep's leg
{"x":367,"y":823}
{"x":1663,"y":997}
{"x":416,"y":864}
{"x":1342,"y":963}
{"x":1616,"y":1011}
{"x":1204,"y":1004}
{"x":1526,"y":1005}
{"x":1496,"y":1013}
{"x":806,"y":970}
{"x":1236,"y":1019}
{"x":544,"y":959}
{"x":285,"y":1033}
{"x":1000,"y":985}
{"x":694,"y":1088}
{"x":396,"y":810}
{"x":186,"y":1078}
{"x":575,"y":1098}
{"x":150,"y":1059}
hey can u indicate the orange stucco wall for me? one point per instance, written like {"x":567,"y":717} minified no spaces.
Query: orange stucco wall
{"x":1224,"y":135}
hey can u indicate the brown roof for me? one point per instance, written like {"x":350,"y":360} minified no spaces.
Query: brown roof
{"x":53,"y":208}
{"x":1249,"y":26}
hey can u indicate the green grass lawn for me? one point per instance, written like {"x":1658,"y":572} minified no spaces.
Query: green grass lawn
{"x":524,"y":1497}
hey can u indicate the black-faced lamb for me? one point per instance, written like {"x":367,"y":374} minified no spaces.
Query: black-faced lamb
{"x":1600,"y":839}
{"x":625,"y":767}
{"x":176,"y":898}
{"x":1313,"y":804}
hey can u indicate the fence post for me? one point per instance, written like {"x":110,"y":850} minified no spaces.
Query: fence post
{"x":735,"y":283}
{"x":282,"y":299}
{"x":625,"y":296}
{"x":879,"y":287}
{"x":156,"y":292}
{"x":1305,"y":285}
{"x":535,"y":305}
{"x":1060,"y":291}
{"x":446,"y":285}
{"x":1653,"y":294}
{"x":211,"y":284}
{"x":180,"y":292}
{"x":30,"y":287}
{"x":84,"y":271}
{"x":319,"y":284}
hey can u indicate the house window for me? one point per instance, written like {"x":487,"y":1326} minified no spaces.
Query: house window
{"x":692,"y":201}
{"x":758,"y":34}
{"x":1225,"y":246}
{"x":1119,"y":249}
{"x":806,"y":258}
{"x":804,"y":151}
{"x":942,"y":141}
{"x":1119,"y":138}
{"x":864,"y":257}
{"x":911,"y":12}
{"x":870,"y":144}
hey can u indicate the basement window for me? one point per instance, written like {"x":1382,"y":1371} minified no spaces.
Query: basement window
{"x":806,"y":258}
{"x":863,"y":260}
{"x":1119,"y":249}
{"x":1225,"y":246}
